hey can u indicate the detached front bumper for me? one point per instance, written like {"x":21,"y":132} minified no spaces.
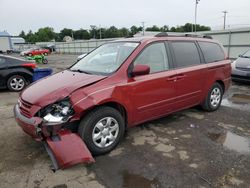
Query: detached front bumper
{"x":65,"y":148}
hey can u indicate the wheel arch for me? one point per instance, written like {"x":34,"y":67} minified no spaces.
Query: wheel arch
{"x":113,"y":104}
{"x":221,"y":84}
{"x":27,"y":76}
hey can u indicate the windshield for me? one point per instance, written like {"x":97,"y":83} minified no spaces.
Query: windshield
{"x":105,"y":59}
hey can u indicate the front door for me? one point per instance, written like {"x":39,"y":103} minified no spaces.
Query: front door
{"x":152,"y":95}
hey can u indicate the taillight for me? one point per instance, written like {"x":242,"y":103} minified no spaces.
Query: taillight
{"x":30,"y":65}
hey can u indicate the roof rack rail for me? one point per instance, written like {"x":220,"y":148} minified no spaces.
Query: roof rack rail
{"x":162,"y":34}
{"x":199,"y":36}
{"x":165,"y":34}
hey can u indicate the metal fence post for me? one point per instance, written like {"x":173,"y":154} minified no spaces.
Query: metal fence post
{"x":229,"y":43}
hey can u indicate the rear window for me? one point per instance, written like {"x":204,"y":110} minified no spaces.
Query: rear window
{"x":212,"y":52}
{"x":186,"y":54}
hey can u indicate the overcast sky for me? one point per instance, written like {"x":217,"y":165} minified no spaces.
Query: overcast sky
{"x":17,"y":15}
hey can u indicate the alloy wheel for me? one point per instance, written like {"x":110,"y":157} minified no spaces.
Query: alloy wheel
{"x":17,"y":84}
{"x":215,"y":97}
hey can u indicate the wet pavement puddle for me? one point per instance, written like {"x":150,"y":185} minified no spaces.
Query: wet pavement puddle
{"x":239,"y":101}
{"x":134,"y":180}
{"x":240,"y":98}
{"x":232,"y":141}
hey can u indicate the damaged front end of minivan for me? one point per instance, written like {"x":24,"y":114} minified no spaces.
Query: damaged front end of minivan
{"x":45,"y":112}
{"x":50,"y":125}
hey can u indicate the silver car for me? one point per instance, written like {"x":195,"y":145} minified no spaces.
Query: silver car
{"x":241,"y":68}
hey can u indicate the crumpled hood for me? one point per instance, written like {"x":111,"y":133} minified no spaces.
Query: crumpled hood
{"x":57,"y":86}
{"x":243,"y":62}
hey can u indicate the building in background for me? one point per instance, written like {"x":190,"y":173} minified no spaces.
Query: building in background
{"x":17,"y":40}
{"x":9,"y":44}
{"x":5,"y":42}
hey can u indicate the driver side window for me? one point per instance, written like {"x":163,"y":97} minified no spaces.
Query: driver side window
{"x":155,"y":56}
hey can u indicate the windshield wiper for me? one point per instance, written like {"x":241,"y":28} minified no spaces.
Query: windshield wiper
{"x":79,"y":70}
{"x":245,"y":56}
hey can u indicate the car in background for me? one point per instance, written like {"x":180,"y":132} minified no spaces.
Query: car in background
{"x":241,"y":68}
{"x":15,"y":73}
{"x":35,"y":51}
{"x":50,"y":47}
{"x":119,"y":85}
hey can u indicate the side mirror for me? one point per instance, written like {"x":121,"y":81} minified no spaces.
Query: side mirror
{"x":140,"y":70}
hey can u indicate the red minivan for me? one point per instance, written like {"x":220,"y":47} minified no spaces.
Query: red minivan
{"x":120,"y":85}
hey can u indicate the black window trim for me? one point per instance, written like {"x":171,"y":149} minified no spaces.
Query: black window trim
{"x":202,"y":60}
{"x":169,"y":57}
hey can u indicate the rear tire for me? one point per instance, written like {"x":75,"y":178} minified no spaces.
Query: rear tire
{"x":214,"y":98}
{"x":16,"y":83}
{"x":102,"y":129}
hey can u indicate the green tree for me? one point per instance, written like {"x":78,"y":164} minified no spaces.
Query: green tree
{"x":123,"y":32}
{"x":31,"y":37}
{"x":164,"y":28}
{"x":112,"y":32}
{"x":81,"y":34}
{"x":153,"y":28}
{"x":188,"y":28}
{"x":65,"y":32}
{"x":22,"y":34}
{"x":173,"y":29}
{"x":134,"y":30}
{"x":45,"y":34}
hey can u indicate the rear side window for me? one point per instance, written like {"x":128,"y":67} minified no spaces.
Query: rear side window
{"x":212,"y":52}
{"x":186,"y":54}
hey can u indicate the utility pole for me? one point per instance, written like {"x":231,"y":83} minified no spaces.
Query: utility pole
{"x":93,"y":27}
{"x":225,"y":16}
{"x":195,"y":14}
{"x":100,"y":31}
{"x":143,"y":28}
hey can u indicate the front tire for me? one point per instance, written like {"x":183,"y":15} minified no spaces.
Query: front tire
{"x":214,"y":98}
{"x":102,"y":129}
{"x":45,"y":61}
{"x":16,"y":83}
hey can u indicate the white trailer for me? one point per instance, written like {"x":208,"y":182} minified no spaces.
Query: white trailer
{"x":5,"y":44}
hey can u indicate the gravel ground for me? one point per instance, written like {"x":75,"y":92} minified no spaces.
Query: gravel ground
{"x":191,"y":148}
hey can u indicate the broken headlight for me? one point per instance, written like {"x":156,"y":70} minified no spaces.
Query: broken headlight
{"x":58,"y":112}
